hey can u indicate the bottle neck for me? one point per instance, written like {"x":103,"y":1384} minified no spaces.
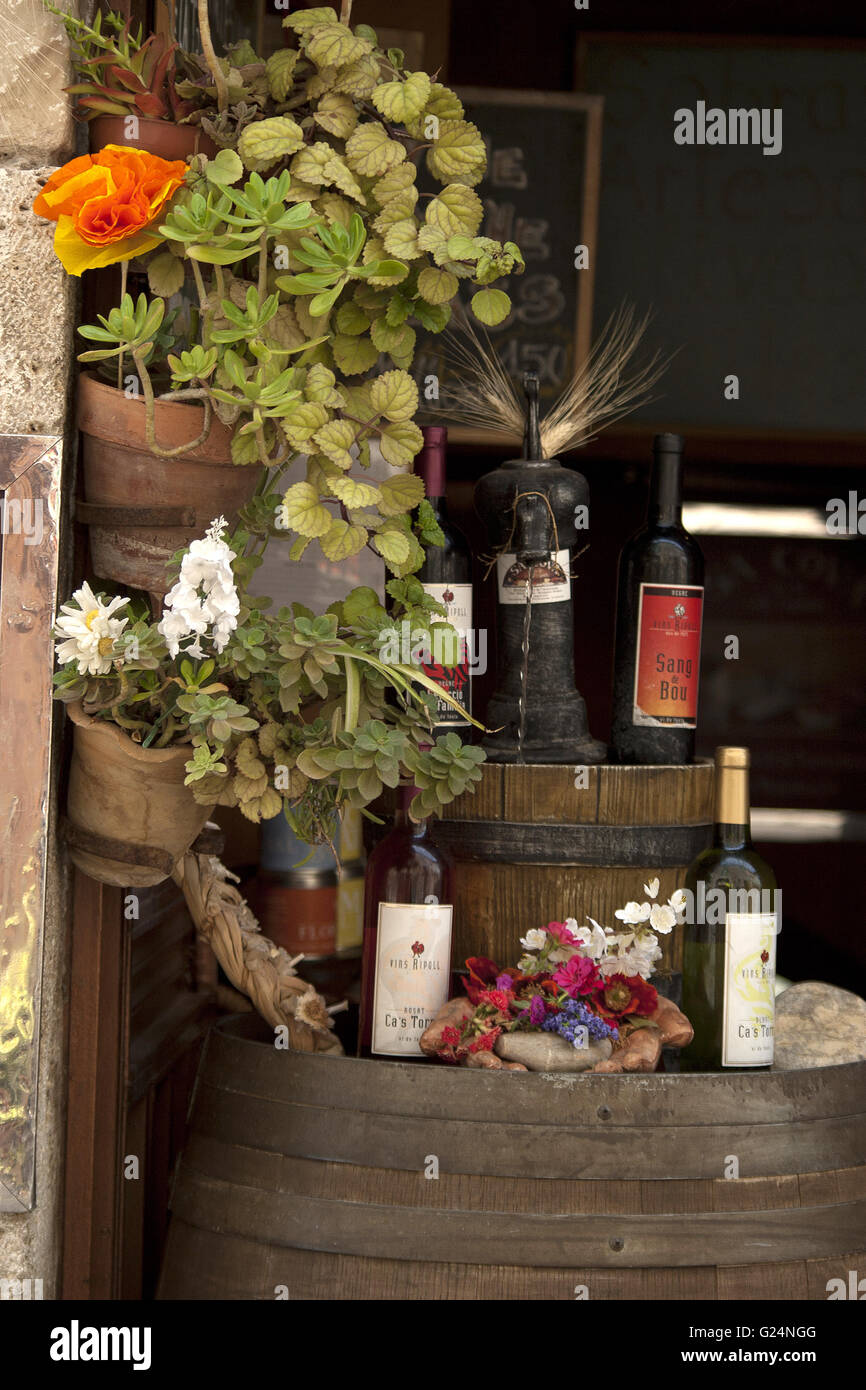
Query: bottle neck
{"x":733,"y":824}
{"x":430,"y":465}
{"x":402,"y":821}
{"x":666,"y":490}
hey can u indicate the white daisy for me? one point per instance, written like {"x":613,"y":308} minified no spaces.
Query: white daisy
{"x":89,"y":631}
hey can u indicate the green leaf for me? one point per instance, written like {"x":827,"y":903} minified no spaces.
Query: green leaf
{"x":336,"y":114}
{"x":334,"y":45}
{"x":279,"y":69}
{"x":401,"y":239}
{"x":356,"y":494}
{"x":400,"y":443}
{"x":335,"y":439}
{"x":458,"y":154}
{"x":352,"y":319}
{"x":354,"y":354}
{"x":437,"y":286}
{"x":393,"y":546}
{"x":224,"y":169}
{"x":370,"y":151}
{"x":310,"y":19}
{"x":400,"y":493}
{"x":303,"y":512}
{"x":457,"y":209}
{"x":491,"y":306}
{"x":165,"y":274}
{"x":433,"y":317}
{"x":262,"y":143}
{"x":403,"y":101}
{"x":301,"y":425}
{"x":394,"y":395}
{"x":342,"y":540}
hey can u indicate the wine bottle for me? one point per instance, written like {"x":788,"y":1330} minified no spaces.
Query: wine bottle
{"x":729,"y":948}
{"x":405,"y":975}
{"x":658,"y":626}
{"x":446,"y":575}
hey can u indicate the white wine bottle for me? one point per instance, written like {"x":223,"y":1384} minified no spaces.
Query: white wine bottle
{"x":729,"y":945}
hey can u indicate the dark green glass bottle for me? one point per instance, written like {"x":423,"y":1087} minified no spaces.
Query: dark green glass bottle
{"x":729,"y":943}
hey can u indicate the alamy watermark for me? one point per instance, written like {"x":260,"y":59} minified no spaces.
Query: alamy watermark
{"x":711,"y":907}
{"x":736,"y":126}
{"x":22,"y":516}
{"x":435,"y":646}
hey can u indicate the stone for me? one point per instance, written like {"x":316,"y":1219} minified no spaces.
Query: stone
{"x":36,"y":125}
{"x":37,"y":305}
{"x":818,"y":1025}
{"x":550,"y":1052}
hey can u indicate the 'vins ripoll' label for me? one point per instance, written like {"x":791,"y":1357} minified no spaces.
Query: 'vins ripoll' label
{"x":750,"y":1003}
{"x":456,"y":599}
{"x":413,"y":969}
{"x":667,"y":661}
{"x":551,"y":578}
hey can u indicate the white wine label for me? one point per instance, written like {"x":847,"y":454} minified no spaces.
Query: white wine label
{"x":413,"y":971}
{"x":551,"y":578}
{"x":456,"y":599}
{"x":750,"y":974}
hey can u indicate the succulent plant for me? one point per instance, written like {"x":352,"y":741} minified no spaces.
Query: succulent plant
{"x":121,"y":73}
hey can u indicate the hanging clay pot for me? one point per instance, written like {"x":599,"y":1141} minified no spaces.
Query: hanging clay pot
{"x":141,"y":508}
{"x":162,"y":138}
{"x":131,"y":819}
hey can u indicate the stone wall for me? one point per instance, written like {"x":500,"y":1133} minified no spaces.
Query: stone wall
{"x":37,"y":308}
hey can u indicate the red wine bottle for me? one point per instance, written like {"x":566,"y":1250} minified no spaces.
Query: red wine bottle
{"x":658,"y":626}
{"x":406,"y":970}
{"x":446,"y":575}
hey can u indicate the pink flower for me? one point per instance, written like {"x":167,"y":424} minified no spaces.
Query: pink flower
{"x":497,"y":997}
{"x":561,"y":933}
{"x":578,"y":976}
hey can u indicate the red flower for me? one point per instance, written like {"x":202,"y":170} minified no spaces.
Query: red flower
{"x":499,"y":998}
{"x":417,"y":948}
{"x":482,"y":972}
{"x":485,"y":1042}
{"x":623,"y":995}
{"x":578,"y":976}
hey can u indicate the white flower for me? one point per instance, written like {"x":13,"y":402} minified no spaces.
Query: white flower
{"x":595,"y":941}
{"x":534,"y":940}
{"x":204,"y":596}
{"x":633,"y":913}
{"x":677,"y":901}
{"x":651,"y":888}
{"x":89,"y":631}
{"x":662,"y":918}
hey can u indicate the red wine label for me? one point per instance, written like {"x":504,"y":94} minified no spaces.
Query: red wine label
{"x":413,"y":971}
{"x":750,"y":974}
{"x":668,"y":656}
{"x":456,"y":599}
{"x":550,"y":579}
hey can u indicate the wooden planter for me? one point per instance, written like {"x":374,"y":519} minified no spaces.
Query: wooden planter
{"x":309,"y":1172}
{"x":530,"y":847}
{"x":162,"y":138}
{"x":141,"y":508}
{"x":133,"y":800}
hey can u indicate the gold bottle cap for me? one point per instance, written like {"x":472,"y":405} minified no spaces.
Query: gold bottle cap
{"x":733,"y":757}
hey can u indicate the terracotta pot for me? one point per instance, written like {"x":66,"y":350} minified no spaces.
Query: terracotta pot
{"x":162,"y":138}
{"x":133,"y":796}
{"x":140,"y":508}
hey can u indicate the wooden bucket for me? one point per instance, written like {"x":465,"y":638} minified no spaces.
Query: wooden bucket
{"x":312,"y":1177}
{"x":539,"y":843}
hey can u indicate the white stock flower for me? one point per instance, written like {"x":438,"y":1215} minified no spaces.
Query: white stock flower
{"x":662,"y":918}
{"x":651,"y":889}
{"x":633,"y":913}
{"x":204,"y":598}
{"x":89,"y":631}
{"x":534,"y":940}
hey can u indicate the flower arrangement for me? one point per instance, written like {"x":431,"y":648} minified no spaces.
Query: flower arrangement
{"x":585,"y":984}
{"x":280,"y":712}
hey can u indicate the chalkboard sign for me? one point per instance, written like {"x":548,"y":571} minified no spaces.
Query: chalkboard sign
{"x":754,"y":263}
{"x":541,"y":191}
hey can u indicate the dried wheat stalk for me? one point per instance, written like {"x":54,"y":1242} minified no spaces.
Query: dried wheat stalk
{"x":607,"y":387}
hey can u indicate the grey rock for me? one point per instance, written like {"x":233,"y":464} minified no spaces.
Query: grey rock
{"x":549,"y":1052}
{"x":818,"y":1025}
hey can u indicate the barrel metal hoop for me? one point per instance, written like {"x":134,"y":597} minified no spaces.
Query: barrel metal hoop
{"x":626,"y":846}
{"x":109,"y":514}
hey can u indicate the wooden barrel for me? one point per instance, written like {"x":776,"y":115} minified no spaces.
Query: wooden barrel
{"x":313,"y":1177}
{"x":539,"y":843}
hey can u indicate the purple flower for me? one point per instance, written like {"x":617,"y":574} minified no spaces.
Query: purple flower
{"x":537,"y":1011}
{"x":575,"y":1014}
{"x":504,"y":981}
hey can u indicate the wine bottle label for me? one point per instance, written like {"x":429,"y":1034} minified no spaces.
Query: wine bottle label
{"x":667,"y":663}
{"x":413,"y":968}
{"x":550,"y":579}
{"x":456,"y":599}
{"x":750,"y":973}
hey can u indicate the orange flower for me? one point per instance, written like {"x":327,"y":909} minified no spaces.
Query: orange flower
{"x":105,"y":205}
